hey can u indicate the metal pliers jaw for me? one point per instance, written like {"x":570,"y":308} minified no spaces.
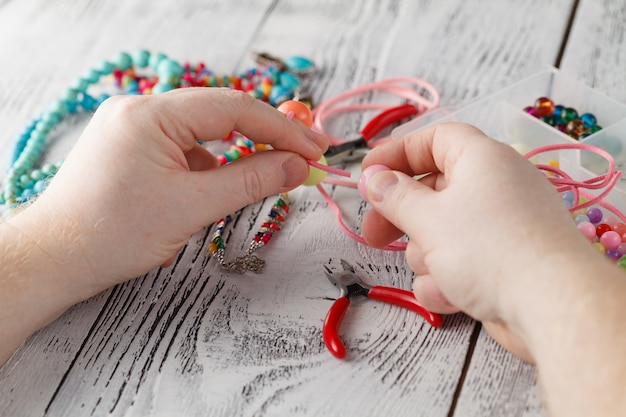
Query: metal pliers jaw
{"x":356,"y":149}
{"x":350,"y":285}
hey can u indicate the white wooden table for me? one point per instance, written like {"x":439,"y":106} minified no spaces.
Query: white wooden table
{"x":192,"y":340}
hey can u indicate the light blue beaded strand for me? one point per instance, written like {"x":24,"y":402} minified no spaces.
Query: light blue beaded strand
{"x":23,"y":181}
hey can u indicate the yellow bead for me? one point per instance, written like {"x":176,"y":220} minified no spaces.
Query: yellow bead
{"x":316,"y":175}
{"x":212,"y":248}
{"x":599,"y":247}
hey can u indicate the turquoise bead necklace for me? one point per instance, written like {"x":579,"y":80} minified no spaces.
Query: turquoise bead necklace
{"x":273,"y":80}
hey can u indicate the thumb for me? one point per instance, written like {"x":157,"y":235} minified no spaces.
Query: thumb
{"x":225,"y":189}
{"x":400,"y":199}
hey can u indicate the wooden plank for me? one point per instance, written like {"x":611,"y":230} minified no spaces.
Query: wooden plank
{"x":596,"y":50}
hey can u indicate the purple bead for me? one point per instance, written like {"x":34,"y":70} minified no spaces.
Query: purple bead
{"x":595,"y":215}
{"x":613,"y":254}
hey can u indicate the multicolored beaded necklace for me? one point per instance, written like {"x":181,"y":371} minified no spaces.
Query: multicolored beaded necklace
{"x":272,"y":80}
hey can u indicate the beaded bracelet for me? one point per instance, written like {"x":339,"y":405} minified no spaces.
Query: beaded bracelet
{"x":272,"y":81}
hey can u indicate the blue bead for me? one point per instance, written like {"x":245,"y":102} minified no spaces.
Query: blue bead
{"x":288,"y":81}
{"x":132,"y":86}
{"x":102,"y":97}
{"x":568,"y":196}
{"x":588,"y":119}
{"x":299,"y":64}
{"x":278,"y":93}
{"x":581,"y":218}
{"x":88,"y":103}
{"x":39,"y":186}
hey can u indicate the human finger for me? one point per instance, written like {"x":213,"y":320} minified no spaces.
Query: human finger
{"x":191,"y":114}
{"x":218,"y":192}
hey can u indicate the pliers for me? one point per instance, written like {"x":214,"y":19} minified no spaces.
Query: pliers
{"x":345,"y":151}
{"x":350,"y":285}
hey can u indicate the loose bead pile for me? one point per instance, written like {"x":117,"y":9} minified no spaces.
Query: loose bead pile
{"x":272,"y":80}
{"x":606,"y":232}
{"x":565,"y":119}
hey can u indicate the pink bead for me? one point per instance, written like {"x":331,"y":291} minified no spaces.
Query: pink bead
{"x":610,"y":239}
{"x":368,"y":173}
{"x":610,"y":220}
{"x":621,"y":248}
{"x":588,"y":229}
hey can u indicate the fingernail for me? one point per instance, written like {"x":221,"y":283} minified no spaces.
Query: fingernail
{"x":366,"y":176}
{"x":295,"y":171}
{"x":379,"y":184}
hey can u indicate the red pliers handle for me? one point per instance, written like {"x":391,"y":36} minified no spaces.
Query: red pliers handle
{"x":395,"y":296}
{"x":387,"y":118}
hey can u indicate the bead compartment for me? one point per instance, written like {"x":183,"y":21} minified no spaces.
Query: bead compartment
{"x":501,"y":115}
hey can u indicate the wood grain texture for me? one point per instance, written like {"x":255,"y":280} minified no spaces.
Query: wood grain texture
{"x":192,"y":340}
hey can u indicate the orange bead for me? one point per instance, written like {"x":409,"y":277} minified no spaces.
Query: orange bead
{"x":300,"y":111}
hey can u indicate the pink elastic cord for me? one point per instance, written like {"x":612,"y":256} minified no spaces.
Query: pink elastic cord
{"x":330,"y":170}
{"x":564,"y":182}
{"x":394,"y":86}
{"x":404,"y":88}
{"x":395,"y":246}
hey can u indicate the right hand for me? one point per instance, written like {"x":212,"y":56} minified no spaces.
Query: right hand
{"x":483,"y":226}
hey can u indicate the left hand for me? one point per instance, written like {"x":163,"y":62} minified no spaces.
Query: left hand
{"x":137,"y":184}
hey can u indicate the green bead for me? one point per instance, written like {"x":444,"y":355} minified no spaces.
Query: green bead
{"x":621,"y":262}
{"x":141,"y":58}
{"x":568,"y":114}
{"x":25,"y":180}
{"x":161,"y":88}
{"x":48,"y":169}
{"x":232,"y":154}
{"x":219,"y":242}
{"x":91,"y":76}
{"x":169,"y":71}
{"x":70,"y":96}
{"x":155,"y":59}
{"x":106,"y":68}
{"x":123,"y":61}
{"x":37,"y":175}
{"x":80,"y":85}
{"x":593,"y":129}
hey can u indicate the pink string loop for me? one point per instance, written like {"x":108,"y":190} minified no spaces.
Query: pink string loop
{"x":396,"y":86}
{"x":564,"y":182}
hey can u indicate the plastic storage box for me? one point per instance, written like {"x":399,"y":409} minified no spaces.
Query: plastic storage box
{"x":502,"y":116}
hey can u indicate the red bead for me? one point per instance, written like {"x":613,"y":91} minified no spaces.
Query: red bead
{"x":602,"y":228}
{"x":543,"y":107}
{"x":270,"y":225}
{"x":221,"y":159}
{"x":620,"y":228}
{"x":266,"y":237}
